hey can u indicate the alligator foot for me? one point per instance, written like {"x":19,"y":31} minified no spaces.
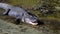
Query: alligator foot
{"x":17,"y":21}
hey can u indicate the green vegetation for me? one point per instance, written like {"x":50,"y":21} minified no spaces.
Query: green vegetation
{"x":28,"y":4}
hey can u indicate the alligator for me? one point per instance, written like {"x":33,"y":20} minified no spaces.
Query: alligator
{"x":19,"y":13}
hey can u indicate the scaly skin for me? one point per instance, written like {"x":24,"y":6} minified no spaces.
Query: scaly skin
{"x":19,"y":13}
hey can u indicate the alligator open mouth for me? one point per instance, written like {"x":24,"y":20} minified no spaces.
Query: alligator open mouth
{"x":33,"y":23}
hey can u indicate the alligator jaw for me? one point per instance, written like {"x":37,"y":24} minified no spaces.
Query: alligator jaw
{"x":33,"y":23}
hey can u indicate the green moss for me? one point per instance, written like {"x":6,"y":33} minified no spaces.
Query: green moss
{"x":24,"y":3}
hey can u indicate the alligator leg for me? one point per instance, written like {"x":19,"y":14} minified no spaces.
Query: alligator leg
{"x":18,"y":21}
{"x":6,"y":12}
